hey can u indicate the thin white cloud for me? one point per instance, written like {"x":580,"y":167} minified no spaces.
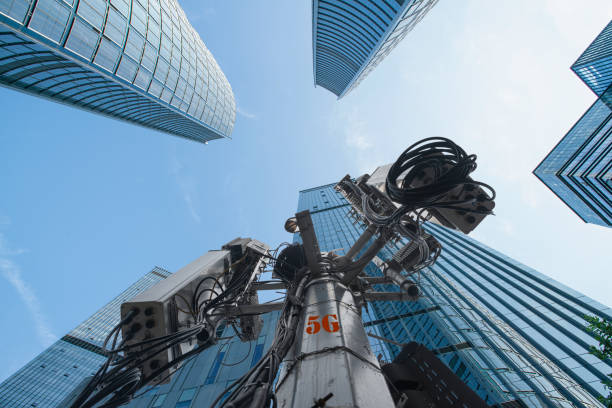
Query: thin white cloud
{"x":246,"y":114}
{"x":6,"y":251}
{"x":359,"y":139}
{"x":192,"y":211}
{"x":11,"y":272}
{"x":187,"y":187}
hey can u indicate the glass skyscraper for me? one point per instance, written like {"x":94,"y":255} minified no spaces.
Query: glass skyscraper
{"x":594,"y":66}
{"x":578,"y":168}
{"x":350,"y":38}
{"x":50,"y":377}
{"x":511,"y":333}
{"x":135,"y":60}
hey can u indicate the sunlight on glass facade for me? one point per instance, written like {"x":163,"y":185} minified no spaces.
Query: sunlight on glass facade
{"x":508,"y":331}
{"x":594,"y":66}
{"x":578,"y":168}
{"x":135,"y":60}
{"x":46,"y":380}
{"x":350,"y":39}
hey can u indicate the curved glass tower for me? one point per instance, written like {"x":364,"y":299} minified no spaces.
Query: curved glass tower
{"x":350,"y":38}
{"x":136,"y":60}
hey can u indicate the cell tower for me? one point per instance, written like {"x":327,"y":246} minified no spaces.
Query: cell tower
{"x":321,"y":355}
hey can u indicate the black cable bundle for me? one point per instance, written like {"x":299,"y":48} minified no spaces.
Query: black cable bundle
{"x":120,"y":376}
{"x":432,"y":168}
{"x":255,"y":388}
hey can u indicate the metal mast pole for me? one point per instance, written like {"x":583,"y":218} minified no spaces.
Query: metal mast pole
{"x":331,"y":361}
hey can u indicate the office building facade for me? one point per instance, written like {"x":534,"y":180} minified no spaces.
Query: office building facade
{"x":135,"y":60}
{"x":594,"y":66}
{"x":51,"y":376}
{"x":511,"y":333}
{"x":578,"y":168}
{"x":349,"y":39}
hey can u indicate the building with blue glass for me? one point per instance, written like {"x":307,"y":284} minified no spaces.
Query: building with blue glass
{"x":59,"y":372}
{"x":350,"y":38}
{"x":594,"y":66}
{"x":510,"y":332}
{"x":135,"y":60}
{"x":203,"y":378}
{"x":578,"y":168}
{"x":51,"y":376}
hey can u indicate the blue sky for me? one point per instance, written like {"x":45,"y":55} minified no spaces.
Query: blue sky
{"x":90,"y":204}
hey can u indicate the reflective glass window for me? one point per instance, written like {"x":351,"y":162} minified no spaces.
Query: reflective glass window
{"x":166,"y":95}
{"x":139,"y":18}
{"x":49,"y":19}
{"x":149,"y":57}
{"x":156,"y":88}
{"x":165,"y":48}
{"x":153,"y":33}
{"x":127,"y":68}
{"x":180,"y":88}
{"x":172,"y":79}
{"x":175,"y":60}
{"x":143,"y":78}
{"x":93,"y":11}
{"x":107,"y":55}
{"x":154,"y":9}
{"x":122,"y":5}
{"x":16,"y":9}
{"x":82,"y":39}
{"x":116,"y":26}
{"x":166,"y":27}
{"x":158,"y":400}
{"x":185,"y":398}
{"x":161,"y":71}
{"x":134,"y":45}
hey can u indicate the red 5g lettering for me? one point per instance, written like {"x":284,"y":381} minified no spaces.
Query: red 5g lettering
{"x":329,"y":321}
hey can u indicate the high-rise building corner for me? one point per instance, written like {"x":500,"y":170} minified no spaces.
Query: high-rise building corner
{"x":350,"y":38}
{"x":578,"y":168}
{"x":135,"y":60}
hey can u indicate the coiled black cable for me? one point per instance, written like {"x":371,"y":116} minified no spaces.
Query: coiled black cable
{"x":447,"y":166}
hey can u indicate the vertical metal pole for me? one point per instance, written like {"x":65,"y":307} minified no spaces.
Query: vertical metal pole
{"x":331,"y":363}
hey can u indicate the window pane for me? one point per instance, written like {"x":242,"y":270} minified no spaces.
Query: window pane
{"x":127,"y":69}
{"x":121,"y":5}
{"x":82,"y":39}
{"x":187,"y":395}
{"x":107,"y":55}
{"x":93,"y":11}
{"x":139,"y":18}
{"x":16,"y":9}
{"x":134,"y":45}
{"x":49,"y":19}
{"x":158,"y":401}
{"x":155,"y":88}
{"x":143,"y":78}
{"x":116,"y":26}
{"x":149,"y":57}
{"x":161,"y":71}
